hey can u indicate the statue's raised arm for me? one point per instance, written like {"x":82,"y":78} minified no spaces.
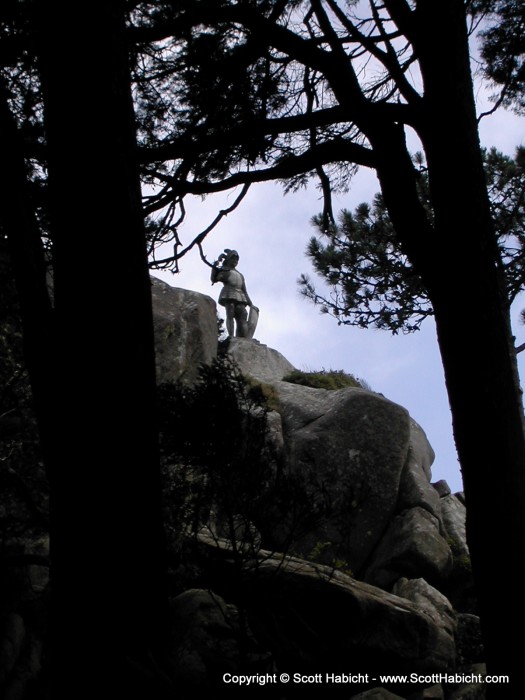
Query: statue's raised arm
{"x":234,"y":296}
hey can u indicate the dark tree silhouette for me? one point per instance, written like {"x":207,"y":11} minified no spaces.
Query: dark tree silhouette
{"x":372,"y":283}
{"x":333,"y":85}
{"x":503,"y":49}
{"x":228,"y":94}
{"x":90,"y":351}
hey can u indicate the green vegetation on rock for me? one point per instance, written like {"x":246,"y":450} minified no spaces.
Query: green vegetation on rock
{"x":324,"y":379}
{"x":263,"y":394}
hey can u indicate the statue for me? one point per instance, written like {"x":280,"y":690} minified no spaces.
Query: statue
{"x":234,"y":295}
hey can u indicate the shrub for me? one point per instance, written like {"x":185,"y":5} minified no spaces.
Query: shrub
{"x":222,"y":470}
{"x":218,"y":463}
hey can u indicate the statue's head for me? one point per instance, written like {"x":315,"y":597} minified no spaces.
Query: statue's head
{"x":231,"y":257}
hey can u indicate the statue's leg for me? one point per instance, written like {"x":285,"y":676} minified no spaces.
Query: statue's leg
{"x":230,"y":314}
{"x":241,"y":316}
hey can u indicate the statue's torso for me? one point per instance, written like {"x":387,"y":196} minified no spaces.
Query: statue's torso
{"x":233,"y":287}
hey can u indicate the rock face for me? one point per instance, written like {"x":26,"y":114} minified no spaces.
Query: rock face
{"x":365,"y":467}
{"x":411,"y":546}
{"x":292,"y":604}
{"x":367,"y":463}
{"x":258,"y":360}
{"x":206,"y":640}
{"x":185,"y":326}
{"x":247,"y":610}
{"x":351,"y":446}
{"x":434,"y":604}
{"x":415,"y":489}
{"x":454,"y":518}
{"x":461,"y":588}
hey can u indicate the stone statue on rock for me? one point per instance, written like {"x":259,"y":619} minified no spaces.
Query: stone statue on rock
{"x":234,"y":296}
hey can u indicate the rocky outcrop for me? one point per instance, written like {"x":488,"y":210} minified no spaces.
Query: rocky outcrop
{"x":434,"y":604}
{"x":454,"y":520}
{"x":363,"y":462}
{"x":351,"y":447}
{"x":473,"y":689}
{"x":208,"y":640}
{"x":412,"y":546}
{"x":185,"y":326}
{"x":366,"y":465}
{"x":292,"y":604}
{"x":460,"y":586}
{"x":415,"y":489}
{"x":442,"y":488}
{"x":259,"y":361}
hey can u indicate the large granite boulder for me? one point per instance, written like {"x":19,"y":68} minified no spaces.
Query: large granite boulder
{"x":259,"y":361}
{"x":434,"y":604}
{"x":475,"y":688}
{"x":208,"y":640}
{"x":460,"y":586}
{"x":412,"y":546}
{"x":309,"y":615}
{"x":454,"y":520}
{"x":362,"y":461}
{"x":186,"y":332}
{"x":350,"y":447}
{"x":415,"y":488}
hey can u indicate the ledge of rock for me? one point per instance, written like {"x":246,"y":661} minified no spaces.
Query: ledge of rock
{"x":258,"y":360}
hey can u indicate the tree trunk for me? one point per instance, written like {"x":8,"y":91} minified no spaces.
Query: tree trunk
{"x":462,"y":274}
{"x":107,"y":554}
{"x":485,"y":398}
{"x":27,"y":261}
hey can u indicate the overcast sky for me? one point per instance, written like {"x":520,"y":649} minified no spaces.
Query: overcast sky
{"x":270,"y":232}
